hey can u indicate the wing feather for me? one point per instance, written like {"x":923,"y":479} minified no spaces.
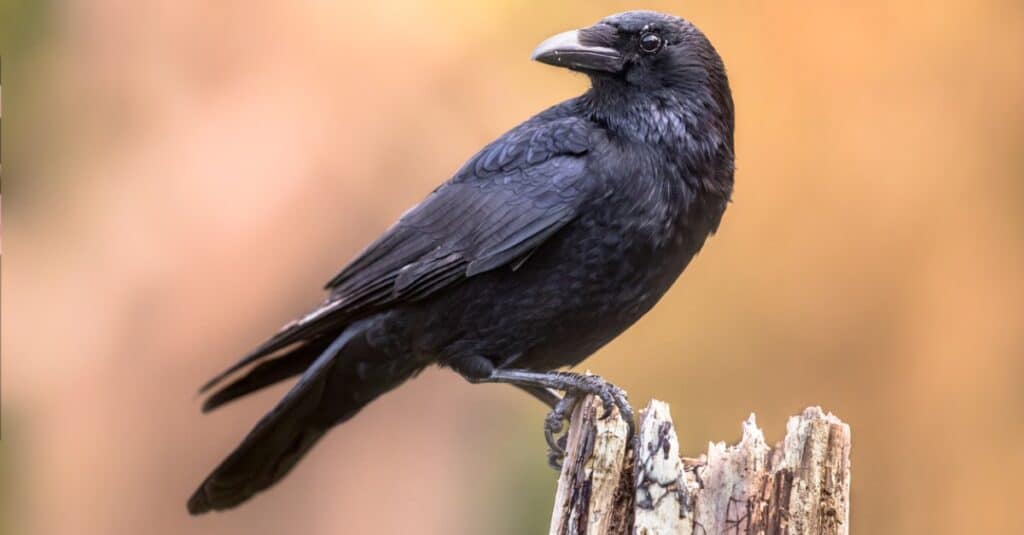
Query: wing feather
{"x":503,"y":204}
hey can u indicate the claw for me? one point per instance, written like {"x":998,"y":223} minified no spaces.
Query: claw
{"x":613,"y":396}
{"x":554,"y":423}
{"x":555,"y":460}
{"x":550,"y":430}
{"x":557,"y":452}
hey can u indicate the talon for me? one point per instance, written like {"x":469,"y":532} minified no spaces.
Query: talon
{"x":555,"y":460}
{"x":549,"y":437}
{"x":554,"y":423}
{"x":556,"y":453}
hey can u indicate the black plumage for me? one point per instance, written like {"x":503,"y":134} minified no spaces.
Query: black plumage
{"x":547,"y":244}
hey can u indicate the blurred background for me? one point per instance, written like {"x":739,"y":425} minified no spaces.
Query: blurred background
{"x":187,"y":174}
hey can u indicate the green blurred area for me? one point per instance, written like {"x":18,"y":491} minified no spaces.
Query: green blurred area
{"x":189,"y":173}
{"x":23,"y":24}
{"x":10,"y":474}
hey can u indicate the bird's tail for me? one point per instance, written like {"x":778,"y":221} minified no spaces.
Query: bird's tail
{"x":332,"y":389}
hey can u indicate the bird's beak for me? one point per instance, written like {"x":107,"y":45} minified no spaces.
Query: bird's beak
{"x":581,"y":50}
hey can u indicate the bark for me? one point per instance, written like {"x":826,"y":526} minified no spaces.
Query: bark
{"x":592,"y":497}
{"x":608,"y":486}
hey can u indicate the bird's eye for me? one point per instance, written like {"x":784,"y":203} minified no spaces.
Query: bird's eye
{"x":650,"y":43}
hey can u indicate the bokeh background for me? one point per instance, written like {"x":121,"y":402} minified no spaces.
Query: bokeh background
{"x":184,"y":175}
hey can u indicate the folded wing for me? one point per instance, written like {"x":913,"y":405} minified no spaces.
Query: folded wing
{"x":504,"y":203}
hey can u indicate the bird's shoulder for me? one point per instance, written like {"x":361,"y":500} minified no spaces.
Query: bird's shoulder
{"x":558,"y":132}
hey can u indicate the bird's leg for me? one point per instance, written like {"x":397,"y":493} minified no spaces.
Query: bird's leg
{"x":575,"y":386}
{"x":544,"y":395}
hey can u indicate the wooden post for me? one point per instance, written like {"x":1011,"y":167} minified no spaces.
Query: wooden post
{"x":609,"y":487}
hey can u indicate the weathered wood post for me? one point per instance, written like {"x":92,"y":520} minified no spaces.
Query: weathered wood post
{"x":799,"y":487}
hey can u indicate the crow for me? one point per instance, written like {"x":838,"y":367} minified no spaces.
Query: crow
{"x":543,"y":247}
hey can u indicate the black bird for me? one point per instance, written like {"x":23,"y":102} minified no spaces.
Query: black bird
{"x":545,"y":246}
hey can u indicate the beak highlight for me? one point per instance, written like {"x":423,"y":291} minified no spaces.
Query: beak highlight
{"x":566,"y":50}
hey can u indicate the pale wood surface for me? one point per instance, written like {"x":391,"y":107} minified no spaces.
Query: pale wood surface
{"x":799,"y":487}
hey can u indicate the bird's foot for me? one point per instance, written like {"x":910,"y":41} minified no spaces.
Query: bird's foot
{"x":610,"y":395}
{"x":575,"y":386}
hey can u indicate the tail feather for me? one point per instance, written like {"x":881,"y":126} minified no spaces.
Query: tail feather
{"x":277,"y":441}
{"x":330,"y":391}
{"x":314,"y":325}
{"x":269,"y":372}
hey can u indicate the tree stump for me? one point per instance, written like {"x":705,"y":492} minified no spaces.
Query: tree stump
{"x":608,"y":486}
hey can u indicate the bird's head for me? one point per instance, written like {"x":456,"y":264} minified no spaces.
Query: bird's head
{"x":649,"y":71}
{"x":655,"y":78}
{"x":644,"y":49}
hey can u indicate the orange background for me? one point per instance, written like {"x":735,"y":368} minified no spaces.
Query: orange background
{"x":188,"y":174}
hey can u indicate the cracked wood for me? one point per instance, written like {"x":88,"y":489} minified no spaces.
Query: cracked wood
{"x":799,"y":487}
